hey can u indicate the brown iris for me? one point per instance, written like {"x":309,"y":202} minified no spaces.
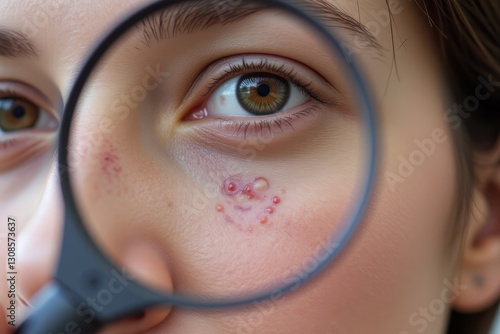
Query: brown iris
{"x":262,"y":93}
{"x":17,"y":114}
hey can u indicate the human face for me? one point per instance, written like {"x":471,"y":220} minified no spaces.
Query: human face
{"x":396,"y":264}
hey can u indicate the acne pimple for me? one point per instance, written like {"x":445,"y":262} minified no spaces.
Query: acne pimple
{"x":246,"y":201}
{"x":260,"y":184}
{"x":228,"y":219}
{"x":109,"y":170}
{"x":229,"y":187}
{"x":110,"y":164}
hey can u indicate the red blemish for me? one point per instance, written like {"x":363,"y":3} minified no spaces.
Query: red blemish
{"x":260,"y":184}
{"x":230,"y":187}
{"x":222,"y":100}
{"x":241,"y":208}
{"x":247,"y":196}
{"x":110,"y":163}
{"x":234,"y":186}
{"x":109,"y":157}
{"x":247,"y":190}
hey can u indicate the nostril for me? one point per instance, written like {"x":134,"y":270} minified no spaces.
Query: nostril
{"x":139,"y":323}
{"x":144,"y":262}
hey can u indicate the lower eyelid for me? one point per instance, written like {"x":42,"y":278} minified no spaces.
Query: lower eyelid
{"x":279,"y":127}
{"x":15,"y":149}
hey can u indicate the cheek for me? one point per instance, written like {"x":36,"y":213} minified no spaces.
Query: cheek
{"x":391,"y":268}
{"x":399,"y":260}
{"x":97,"y":167}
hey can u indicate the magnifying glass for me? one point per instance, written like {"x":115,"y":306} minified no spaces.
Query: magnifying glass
{"x":251,"y":160}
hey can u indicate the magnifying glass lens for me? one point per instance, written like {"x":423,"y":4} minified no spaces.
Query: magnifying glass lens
{"x":235,"y":142}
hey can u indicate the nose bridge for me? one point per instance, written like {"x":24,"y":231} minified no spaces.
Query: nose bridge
{"x":39,"y":241}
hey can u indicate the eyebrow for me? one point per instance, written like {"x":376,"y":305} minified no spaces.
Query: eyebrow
{"x":15,"y":44}
{"x":190,"y":16}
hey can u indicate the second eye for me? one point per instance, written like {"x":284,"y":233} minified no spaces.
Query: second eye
{"x":255,"y":94}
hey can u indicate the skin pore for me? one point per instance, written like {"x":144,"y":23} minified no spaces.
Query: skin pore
{"x":259,"y":210}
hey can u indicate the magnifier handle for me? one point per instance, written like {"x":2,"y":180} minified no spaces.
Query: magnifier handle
{"x":56,"y":313}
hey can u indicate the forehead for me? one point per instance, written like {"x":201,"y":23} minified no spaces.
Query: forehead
{"x":63,"y":31}
{"x":52,"y":21}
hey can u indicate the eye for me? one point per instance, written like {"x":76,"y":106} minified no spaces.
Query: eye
{"x":19,"y":114}
{"x":27,"y":125}
{"x":255,"y":94}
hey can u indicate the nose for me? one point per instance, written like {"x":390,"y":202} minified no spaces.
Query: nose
{"x":39,"y":241}
{"x":39,"y":246}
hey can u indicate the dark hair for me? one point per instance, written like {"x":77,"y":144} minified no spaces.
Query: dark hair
{"x":469,"y":34}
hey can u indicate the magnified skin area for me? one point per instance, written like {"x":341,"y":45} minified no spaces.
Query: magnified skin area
{"x":141,"y":183}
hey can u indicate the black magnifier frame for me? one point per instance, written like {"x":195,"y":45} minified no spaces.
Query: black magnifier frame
{"x":83,"y":270}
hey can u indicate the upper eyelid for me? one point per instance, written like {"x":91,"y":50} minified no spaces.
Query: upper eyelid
{"x":262,"y":62}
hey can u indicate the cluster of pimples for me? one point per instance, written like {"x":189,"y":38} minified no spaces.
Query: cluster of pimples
{"x":244,"y":198}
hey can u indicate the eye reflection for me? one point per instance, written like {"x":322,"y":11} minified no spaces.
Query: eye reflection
{"x":17,"y":114}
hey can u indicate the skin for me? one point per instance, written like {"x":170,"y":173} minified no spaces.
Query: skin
{"x":394,"y":269}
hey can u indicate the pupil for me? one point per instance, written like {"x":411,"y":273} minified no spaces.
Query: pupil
{"x":263,"y":90}
{"x":18,"y":112}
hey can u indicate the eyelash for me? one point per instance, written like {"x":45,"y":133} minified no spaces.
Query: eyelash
{"x":282,"y":70}
{"x":9,"y":93}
